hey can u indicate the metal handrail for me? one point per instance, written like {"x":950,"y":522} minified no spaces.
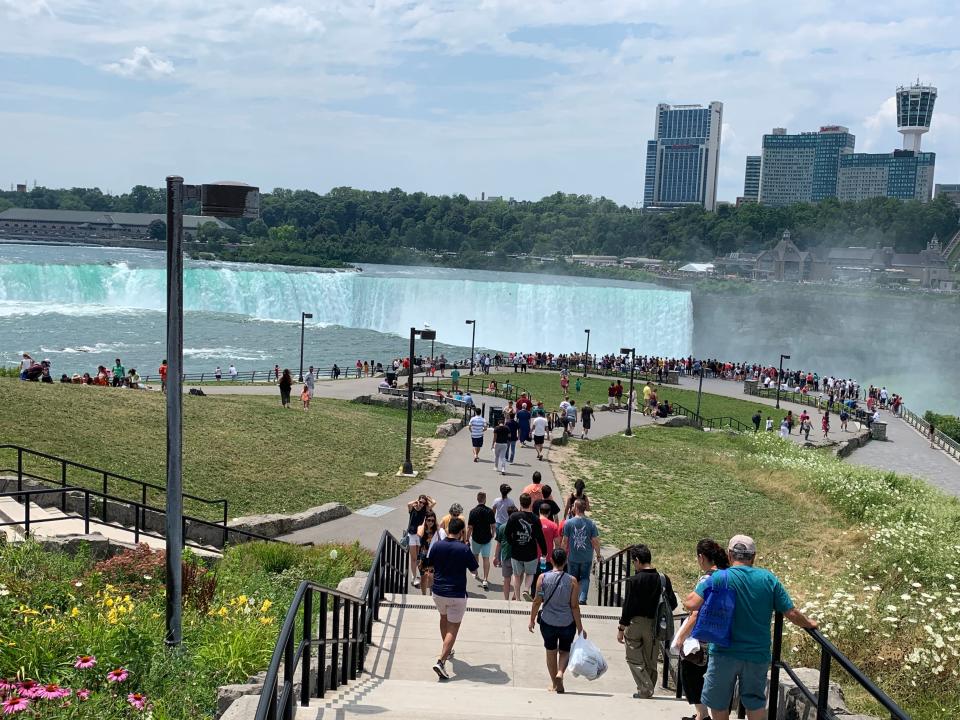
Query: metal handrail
{"x":829,"y":654}
{"x":105,"y":476}
{"x":140,"y":511}
{"x":346,"y":633}
{"x":941,"y":439}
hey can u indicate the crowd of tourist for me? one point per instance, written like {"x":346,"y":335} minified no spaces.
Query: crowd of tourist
{"x":118,"y":376}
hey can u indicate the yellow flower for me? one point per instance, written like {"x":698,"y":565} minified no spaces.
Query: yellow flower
{"x":108,"y":602}
{"x":74,"y":612}
{"x":242,"y":600}
{"x":223,"y":612}
{"x":266,"y":621}
{"x":265,"y":606}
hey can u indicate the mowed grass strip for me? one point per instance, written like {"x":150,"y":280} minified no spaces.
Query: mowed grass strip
{"x":244,"y":448}
{"x":670,"y":487}
{"x":545,"y":386}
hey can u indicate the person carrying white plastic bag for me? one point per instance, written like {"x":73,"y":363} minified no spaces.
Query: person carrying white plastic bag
{"x":586,"y":660}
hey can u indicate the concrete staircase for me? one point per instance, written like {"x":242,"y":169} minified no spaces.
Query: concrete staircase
{"x":498,"y":672}
{"x":51,"y":522}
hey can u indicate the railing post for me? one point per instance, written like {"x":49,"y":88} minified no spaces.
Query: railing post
{"x":288,"y":674}
{"x":142,"y":511}
{"x":347,"y":657}
{"x":63,"y":484}
{"x":322,"y":648}
{"x":359,"y":641}
{"x":103,"y":511}
{"x":86,"y":512}
{"x":335,"y":646}
{"x":225,"y":520}
{"x":308,"y":648}
{"x":774,"y":691}
{"x":26,"y":518}
{"x":823,"y":694}
{"x":136,"y":523}
{"x":19,"y":472}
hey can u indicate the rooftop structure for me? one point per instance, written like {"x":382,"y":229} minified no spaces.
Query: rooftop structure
{"x":914,"y":113}
{"x":89,"y":224}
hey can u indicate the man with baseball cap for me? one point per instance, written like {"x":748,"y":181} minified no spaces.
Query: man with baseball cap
{"x":747,"y":658}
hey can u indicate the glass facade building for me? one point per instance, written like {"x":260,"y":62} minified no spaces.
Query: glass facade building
{"x":683,"y":160}
{"x":751,"y":179}
{"x":804,"y":167}
{"x":901,"y":174}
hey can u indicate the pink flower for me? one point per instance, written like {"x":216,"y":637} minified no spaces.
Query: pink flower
{"x":137,"y":700}
{"x":83,"y":694}
{"x":52,"y":691}
{"x":85,"y":662}
{"x":118,"y":675}
{"x":28,"y":688}
{"x":6,"y":684}
{"x":15,"y":704}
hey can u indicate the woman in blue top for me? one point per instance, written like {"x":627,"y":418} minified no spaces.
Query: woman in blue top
{"x":558,"y":596}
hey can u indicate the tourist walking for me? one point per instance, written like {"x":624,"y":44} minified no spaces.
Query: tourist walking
{"x":286,"y":382}
{"x":535,"y":489}
{"x":746,"y":660}
{"x":218,"y":374}
{"x":118,"y":373}
{"x":539,"y":433}
{"x":309,"y":380}
{"x":547,"y":499}
{"x":581,"y":541}
{"x":525,"y":535}
{"x":757,"y":417}
{"x":579,"y":493}
{"x":844,"y":418}
{"x":571,"y":417}
{"x":586,"y":419}
{"x":232,"y":371}
{"x":523,"y":420}
{"x":825,"y":423}
{"x":427,"y":535}
{"x":451,"y":560}
{"x":305,"y":397}
{"x":501,"y":506}
{"x":162,"y":370}
{"x":559,"y":616}
{"x":693,"y":665}
{"x":638,"y":619}
{"x":417,"y":510}
{"x":456,"y":511}
{"x":477,"y":427}
{"x":514,"y":427}
{"x":501,"y":443}
{"x":481,"y":529}
{"x":502,"y":555}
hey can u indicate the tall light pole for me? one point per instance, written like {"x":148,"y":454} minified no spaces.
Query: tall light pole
{"x":586,"y":355}
{"x":699,"y":390}
{"x":426,"y":335}
{"x":633,"y":357}
{"x":304,"y":316}
{"x":216,"y":199}
{"x":780,"y":377}
{"x":473,"y":338}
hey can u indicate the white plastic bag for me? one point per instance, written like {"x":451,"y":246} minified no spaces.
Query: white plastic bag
{"x":586,"y":659}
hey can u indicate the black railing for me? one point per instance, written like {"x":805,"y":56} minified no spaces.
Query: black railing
{"x":819,"y":698}
{"x":85,"y":475}
{"x":337,"y":626}
{"x":78,"y":503}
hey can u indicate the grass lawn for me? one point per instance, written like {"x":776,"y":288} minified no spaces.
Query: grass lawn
{"x":546,"y":386}
{"x":244,"y":448}
{"x":870,"y":554}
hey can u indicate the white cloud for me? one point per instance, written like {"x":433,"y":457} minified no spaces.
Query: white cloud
{"x":25,"y":8}
{"x":290,"y":17}
{"x":143,"y":63}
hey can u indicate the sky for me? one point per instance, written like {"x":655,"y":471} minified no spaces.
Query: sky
{"x":518,"y":98}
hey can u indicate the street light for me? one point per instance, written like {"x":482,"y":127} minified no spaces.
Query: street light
{"x":427,"y":327}
{"x":426,"y":335}
{"x":633,"y":355}
{"x":473,"y":338}
{"x":699,"y":390}
{"x":586,"y":355}
{"x":304,"y":316}
{"x":780,"y":377}
{"x":218,"y":199}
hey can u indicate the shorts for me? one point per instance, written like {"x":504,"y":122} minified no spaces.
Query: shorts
{"x":506,"y":568}
{"x":414,"y":539}
{"x":527,"y":567}
{"x":483,"y":550}
{"x":555,"y":635}
{"x":453,"y":608}
{"x":477,"y":441}
{"x":722,"y":671}
{"x":538,"y":439}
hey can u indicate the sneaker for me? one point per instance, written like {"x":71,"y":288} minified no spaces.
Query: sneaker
{"x":441,"y":671}
{"x":527,"y":596}
{"x":476,"y":459}
{"x":416,"y":582}
{"x":483,"y":584}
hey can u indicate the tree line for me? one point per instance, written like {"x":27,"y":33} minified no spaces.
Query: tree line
{"x":302,"y":227}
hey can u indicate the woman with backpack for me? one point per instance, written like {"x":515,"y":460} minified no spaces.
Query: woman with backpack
{"x":693,"y":667}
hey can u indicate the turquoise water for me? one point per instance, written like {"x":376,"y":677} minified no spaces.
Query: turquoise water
{"x":85,"y":306}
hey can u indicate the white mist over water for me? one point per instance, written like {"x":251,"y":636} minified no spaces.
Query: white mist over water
{"x":513,"y":311}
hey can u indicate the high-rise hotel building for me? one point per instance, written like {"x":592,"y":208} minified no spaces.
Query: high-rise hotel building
{"x":804,"y":167}
{"x":683,"y":159}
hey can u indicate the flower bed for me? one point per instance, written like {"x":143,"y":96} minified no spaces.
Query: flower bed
{"x":85,"y":640}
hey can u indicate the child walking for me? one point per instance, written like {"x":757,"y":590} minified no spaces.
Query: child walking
{"x":305,"y":397}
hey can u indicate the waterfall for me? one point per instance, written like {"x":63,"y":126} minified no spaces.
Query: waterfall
{"x":513,"y":311}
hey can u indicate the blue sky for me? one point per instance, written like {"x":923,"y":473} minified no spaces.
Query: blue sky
{"x":509,"y":97}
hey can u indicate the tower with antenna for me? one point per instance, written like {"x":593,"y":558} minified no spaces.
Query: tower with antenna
{"x":914,"y":112}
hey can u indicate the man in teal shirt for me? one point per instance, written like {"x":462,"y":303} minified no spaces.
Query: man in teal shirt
{"x":758,"y":594}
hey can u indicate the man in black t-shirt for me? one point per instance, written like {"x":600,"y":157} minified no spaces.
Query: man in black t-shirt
{"x":547,"y":500}
{"x":586,"y":419}
{"x":524,"y":533}
{"x":481,"y":529}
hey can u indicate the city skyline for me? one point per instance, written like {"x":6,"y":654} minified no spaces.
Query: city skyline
{"x":447,"y":97}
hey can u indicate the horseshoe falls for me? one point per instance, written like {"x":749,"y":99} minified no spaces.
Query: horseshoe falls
{"x":100,"y":288}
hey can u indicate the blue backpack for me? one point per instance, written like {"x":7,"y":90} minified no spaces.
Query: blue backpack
{"x":715,"y":619}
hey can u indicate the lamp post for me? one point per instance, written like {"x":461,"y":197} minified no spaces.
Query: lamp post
{"x":426,"y":335}
{"x":304,"y":316}
{"x":586,"y":355}
{"x":473,"y":338}
{"x":780,"y":377}
{"x":633,"y":355}
{"x":217,"y":199}
{"x":699,"y":390}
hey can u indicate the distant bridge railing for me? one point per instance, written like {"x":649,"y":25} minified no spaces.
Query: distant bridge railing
{"x":940,"y":440}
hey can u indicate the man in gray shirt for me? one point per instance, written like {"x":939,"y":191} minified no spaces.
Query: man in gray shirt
{"x":309,"y":380}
